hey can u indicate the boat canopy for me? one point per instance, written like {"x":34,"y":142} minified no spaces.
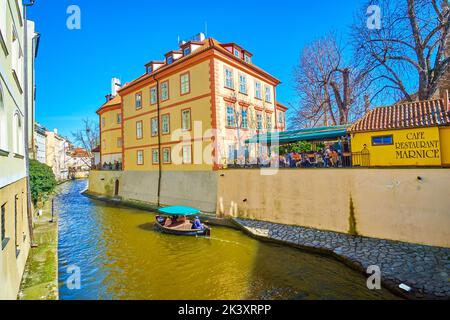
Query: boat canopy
{"x":178,"y":211}
{"x":309,"y":134}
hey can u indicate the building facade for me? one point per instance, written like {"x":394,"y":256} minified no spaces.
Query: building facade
{"x":14,"y":222}
{"x":412,"y":134}
{"x":40,"y":143}
{"x":192,"y":111}
{"x":58,"y":154}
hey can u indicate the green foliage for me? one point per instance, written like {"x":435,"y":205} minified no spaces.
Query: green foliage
{"x":42,"y":181}
{"x":299,"y":147}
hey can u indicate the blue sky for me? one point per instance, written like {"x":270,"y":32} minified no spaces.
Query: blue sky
{"x":74,"y":67}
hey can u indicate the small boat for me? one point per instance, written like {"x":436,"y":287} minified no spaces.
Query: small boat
{"x":174,"y":220}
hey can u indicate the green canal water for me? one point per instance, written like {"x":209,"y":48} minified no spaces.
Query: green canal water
{"x":121,"y":256}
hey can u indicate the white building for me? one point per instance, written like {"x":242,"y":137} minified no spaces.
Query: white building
{"x":58,"y":154}
{"x":14,"y":211}
{"x":40,"y":143}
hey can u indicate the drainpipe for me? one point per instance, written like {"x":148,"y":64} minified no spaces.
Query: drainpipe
{"x":26,"y":113}
{"x":159,"y":142}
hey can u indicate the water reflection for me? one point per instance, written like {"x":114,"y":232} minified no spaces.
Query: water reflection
{"x":121,"y":256}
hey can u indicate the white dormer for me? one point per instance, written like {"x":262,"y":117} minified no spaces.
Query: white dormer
{"x":173,"y":55}
{"x":153,"y":66}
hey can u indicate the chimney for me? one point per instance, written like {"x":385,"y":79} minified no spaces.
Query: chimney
{"x":108,"y":97}
{"x":115,"y":86}
{"x":55,"y":131}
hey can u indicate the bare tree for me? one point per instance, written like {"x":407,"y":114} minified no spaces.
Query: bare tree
{"x":329,"y":87}
{"x":87,"y":137}
{"x":406,"y":57}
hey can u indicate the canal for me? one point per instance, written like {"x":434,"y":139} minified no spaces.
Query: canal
{"x":121,"y":256}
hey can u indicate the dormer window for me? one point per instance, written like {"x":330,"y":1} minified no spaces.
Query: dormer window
{"x":247,"y":58}
{"x":186,"y":51}
{"x":149,"y":69}
{"x":237,"y":53}
{"x":169,"y":60}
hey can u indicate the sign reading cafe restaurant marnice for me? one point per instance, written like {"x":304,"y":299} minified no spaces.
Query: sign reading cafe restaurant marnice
{"x":418,"y":145}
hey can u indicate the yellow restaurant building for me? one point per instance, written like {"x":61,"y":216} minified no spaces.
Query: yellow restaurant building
{"x":408,"y":134}
{"x":111,"y":130}
{"x":190,"y":111}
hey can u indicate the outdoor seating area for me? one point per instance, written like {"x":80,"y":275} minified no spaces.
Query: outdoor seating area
{"x":324,"y":147}
{"x":116,"y":166}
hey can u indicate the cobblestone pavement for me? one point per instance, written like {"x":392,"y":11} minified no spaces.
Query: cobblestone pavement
{"x":425,"y":269}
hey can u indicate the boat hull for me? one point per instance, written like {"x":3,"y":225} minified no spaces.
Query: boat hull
{"x":179,"y":232}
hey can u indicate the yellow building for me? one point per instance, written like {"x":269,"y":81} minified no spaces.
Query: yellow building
{"x":408,"y":134}
{"x":111,"y":130}
{"x":191,"y":111}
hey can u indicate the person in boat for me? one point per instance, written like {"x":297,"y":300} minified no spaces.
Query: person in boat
{"x":197,"y":224}
{"x":161,"y":220}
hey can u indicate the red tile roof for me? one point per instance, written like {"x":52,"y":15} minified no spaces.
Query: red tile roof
{"x":405,"y":115}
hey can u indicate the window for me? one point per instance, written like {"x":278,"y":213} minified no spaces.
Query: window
{"x":138,"y":100}
{"x":186,"y":119}
{"x":281,"y":117}
{"x":229,"y":83}
{"x":382,"y":140}
{"x":269,"y":121}
{"x":187,"y":154}
{"x":17,"y":135}
{"x":165,"y":119}
{"x":244,"y":124}
{"x":243,"y":83}
{"x":247,"y":59}
{"x":166,"y":155}
{"x":140,"y":157}
{"x":103,"y":121}
{"x":139,"y":130}
{"x":185,"y":83}
{"x":3,"y":222}
{"x":154,"y":127}
{"x":165,"y":91}
{"x":259,"y":123}
{"x":232,"y":153}
{"x":149,"y":69}
{"x":237,"y":53}
{"x":153,"y":95}
{"x":231,"y":122}
{"x":169,"y":60}
{"x":258,"y":93}
{"x":119,"y":118}
{"x":17,"y":57}
{"x":268,"y":94}
{"x":187,"y":51}
{"x":155,"y":156}
{"x":119,"y":142}
{"x":3,"y":124}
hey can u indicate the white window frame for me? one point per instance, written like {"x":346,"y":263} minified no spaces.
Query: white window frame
{"x":183,"y":112}
{"x":169,"y":159}
{"x":244,"y":121}
{"x":155,"y":156}
{"x":187,"y":159}
{"x":231,"y":118}
{"x":139,"y":134}
{"x":243,"y":83}
{"x":267,"y":94}
{"x":154,"y":126}
{"x":185,"y":83}
{"x":138,"y":100}
{"x":153,"y":95}
{"x":229,"y":78}
{"x":165,"y":91}
{"x":258,"y":90}
{"x":165,"y":123}
{"x":140,"y":157}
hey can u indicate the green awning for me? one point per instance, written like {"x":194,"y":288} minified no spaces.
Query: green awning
{"x":309,"y":134}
